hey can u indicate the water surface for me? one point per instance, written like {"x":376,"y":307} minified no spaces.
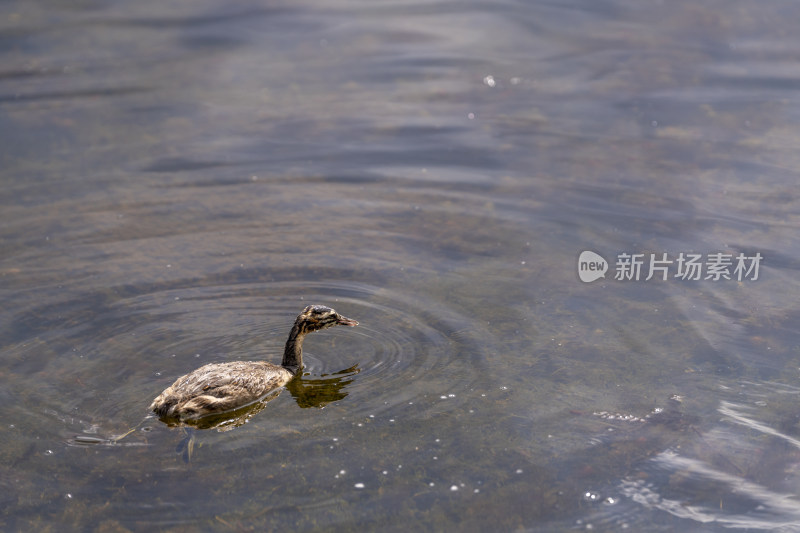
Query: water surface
{"x":179,"y":181}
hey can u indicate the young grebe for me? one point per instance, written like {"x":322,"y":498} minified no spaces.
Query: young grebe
{"x":219,"y":387}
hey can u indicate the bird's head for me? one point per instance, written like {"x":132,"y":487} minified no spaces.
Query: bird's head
{"x":317,"y":317}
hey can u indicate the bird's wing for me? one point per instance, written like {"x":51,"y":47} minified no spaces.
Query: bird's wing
{"x":225,"y":379}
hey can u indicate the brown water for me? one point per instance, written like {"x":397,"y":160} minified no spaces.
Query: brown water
{"x":180,"y":179}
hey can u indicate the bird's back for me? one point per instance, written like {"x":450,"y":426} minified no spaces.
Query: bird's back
{"x":219,"y":387}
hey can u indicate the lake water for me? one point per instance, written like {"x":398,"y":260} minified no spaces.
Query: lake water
{"x":180,"y":179}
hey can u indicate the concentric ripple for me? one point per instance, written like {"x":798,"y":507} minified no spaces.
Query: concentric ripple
{"x":400,"y":348}
{"x":405,"y":352}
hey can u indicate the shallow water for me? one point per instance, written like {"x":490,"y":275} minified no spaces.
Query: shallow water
{"x":180,"y":180}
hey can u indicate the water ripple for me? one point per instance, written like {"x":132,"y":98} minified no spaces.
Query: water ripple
{"x":407,"y":355}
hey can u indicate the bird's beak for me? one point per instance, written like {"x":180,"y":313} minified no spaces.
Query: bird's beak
{"x":344,"y":321}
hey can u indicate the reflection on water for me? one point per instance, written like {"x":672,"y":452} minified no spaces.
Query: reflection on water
{"x":729,"y":478}
{"x":177,"y":180}
{"x":319,"y":392}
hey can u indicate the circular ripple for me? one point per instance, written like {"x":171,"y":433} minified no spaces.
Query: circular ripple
{"x":404,"y":350}
{"x":408,"y":355}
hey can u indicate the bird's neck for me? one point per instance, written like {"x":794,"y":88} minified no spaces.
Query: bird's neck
{"x":293,"y":353}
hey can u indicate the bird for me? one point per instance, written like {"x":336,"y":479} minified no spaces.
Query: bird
{"x":219,"y":387}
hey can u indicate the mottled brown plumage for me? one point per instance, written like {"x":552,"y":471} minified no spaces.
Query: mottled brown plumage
{"x":219,"y":387}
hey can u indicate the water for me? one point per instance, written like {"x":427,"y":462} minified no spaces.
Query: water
{"x":179,"y":181}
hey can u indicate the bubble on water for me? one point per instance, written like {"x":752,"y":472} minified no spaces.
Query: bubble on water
{"x":591,"y":496}
{"x":359,"y":485}
{"x":454,"y":488}
{"x":519,"y":471}
{"x":610,"y":500}
{"x":489,"y":81}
